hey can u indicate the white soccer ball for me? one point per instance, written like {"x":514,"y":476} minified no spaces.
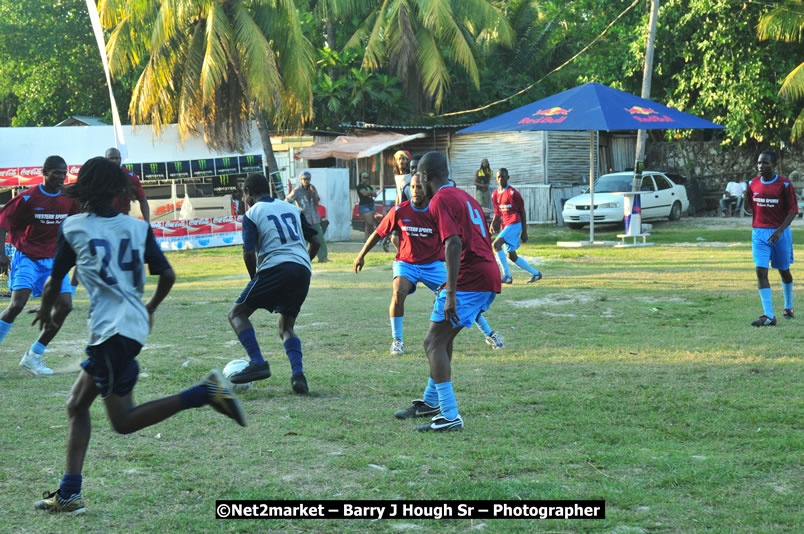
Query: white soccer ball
{"x":235,"y":366}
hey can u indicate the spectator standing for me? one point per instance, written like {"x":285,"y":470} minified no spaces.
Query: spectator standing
{"x":306,"y":198}
{"x":482,"y":180}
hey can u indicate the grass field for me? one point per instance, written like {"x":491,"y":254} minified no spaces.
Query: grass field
{"x":631,"y":375}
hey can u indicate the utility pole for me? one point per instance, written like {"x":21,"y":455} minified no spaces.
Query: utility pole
{"x":646,"y":78}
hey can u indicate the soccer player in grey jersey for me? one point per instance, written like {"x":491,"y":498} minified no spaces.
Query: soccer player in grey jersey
{"x":109,"y":250}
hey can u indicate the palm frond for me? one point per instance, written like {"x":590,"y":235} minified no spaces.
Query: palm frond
{"x":793,"y":85}
{"x":214,"y":71}
{"x":432,"y":68}
{"x":257,"y":62}
{"x":783,"y":23}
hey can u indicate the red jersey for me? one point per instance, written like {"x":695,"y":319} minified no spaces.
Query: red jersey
{"x":457,"y":213}
{"x":123,"y":201}
{"x":771,"y":202}
{"x":419,"y":241}
{"x":33,"y":218}
{"x":508,"y":204}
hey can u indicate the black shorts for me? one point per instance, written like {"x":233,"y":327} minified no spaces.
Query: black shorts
{"x":113,"y":365}
{"x":281,"y":289}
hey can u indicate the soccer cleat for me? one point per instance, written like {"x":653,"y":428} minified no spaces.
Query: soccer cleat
{"x":32,"y":362}
{"x":397,"y":347}
{"x":417,"y":408}
{"x":52,"y":502}
{"x":254,"y":371}
{"x":764,"y":320}
{"x":442,"y":424}
{"x":507,"y":280}
{"x":535,"y":278}
{"x":495,"y":340}
{"x":221,"y":399}
{"x":299,"y":384}
{"x":788,"y":313}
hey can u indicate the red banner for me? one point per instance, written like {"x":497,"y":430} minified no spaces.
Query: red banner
{"x":27,"y":177}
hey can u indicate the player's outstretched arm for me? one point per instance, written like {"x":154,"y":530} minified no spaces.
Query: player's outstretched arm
{"x":166,"y":280}
{"x":4,"y":260}
{"x":373,"y":239}
{"x":44,"y":315}
{"x":145,"y":209}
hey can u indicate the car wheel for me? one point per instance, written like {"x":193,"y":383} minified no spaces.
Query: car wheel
{"x":675,"y":211}
{"x":575,"y":226}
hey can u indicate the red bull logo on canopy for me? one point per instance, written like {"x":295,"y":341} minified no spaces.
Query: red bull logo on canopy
{"x":552,"y":115}
{"x":647,"y":114}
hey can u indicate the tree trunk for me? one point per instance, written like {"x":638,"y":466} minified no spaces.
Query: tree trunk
{"x":330,"y":24}
{"x":273,"y":167}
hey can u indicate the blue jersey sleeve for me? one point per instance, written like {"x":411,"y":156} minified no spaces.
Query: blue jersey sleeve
{"x":156,"y":260}
{"x":250,"y":234}
{"x":64,"y":260}
{"x":307,"y":230}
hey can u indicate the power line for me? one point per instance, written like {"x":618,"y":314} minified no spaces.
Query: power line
{"x":534,"y":84}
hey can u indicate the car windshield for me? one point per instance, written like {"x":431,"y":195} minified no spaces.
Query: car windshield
{"x":613,"y":184}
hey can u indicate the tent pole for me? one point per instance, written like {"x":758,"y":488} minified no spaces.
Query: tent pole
{"x":592,"y":187}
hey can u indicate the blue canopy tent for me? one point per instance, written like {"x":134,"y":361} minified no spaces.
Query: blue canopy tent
{"x":591,"y":107}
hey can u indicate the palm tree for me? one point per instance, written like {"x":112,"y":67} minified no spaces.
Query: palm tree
{"x":212,"y":65}
{"x":785,"y":22}
{"x":421,"y":39}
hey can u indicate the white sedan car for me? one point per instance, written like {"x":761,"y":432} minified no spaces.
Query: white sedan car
{"x":661,"y":198}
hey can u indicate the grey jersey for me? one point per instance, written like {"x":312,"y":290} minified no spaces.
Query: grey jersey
{"x":274,"y":230}
{"x":109,"y":253}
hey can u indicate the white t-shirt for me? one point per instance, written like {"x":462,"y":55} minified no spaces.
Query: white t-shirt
{"x":735,"y":189}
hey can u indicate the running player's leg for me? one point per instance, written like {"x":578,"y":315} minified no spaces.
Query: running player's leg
{"x":22,"y":277}
{"x":396,"y":311}
{"x":61,"y":309}
{"x":493,"y":339}
{"x":761,"y":251}
{"x":67,"y":498}
{"x":781,"y":259}
{"x":438,"y":346}
{"x":293,"y":350}
{"x":511,"y":236}
{"x":19,"y":297}
{"x":497,"y":245}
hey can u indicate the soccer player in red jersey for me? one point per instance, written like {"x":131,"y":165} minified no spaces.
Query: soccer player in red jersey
{"x":510,"y":209}
{"x":123,"y":201}
{"x":420,"y":258}
{"x":774,"y":204}
{"x":473,"y":280}
{"x":32,"y":219}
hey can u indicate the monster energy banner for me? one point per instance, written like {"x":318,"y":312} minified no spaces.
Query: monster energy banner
{"x":227,"y":165}
{"x":154,"y":171}
{"x":227,"y":183}
{"x":178,"y":169}
{"x":203,"y":167}
{"x":136,"y":168}
{"x":251,"y":164}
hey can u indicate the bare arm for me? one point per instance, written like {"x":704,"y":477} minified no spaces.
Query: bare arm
{"x":452,"y":255}
{"x":373,"y":239}
{"x":4,"y":260}
{"x":774,"y":237}
{"x":250,"y":259}
{"x":166,"y":280}
{"x":313,"y":244}
{"x":145,"y":209}
{"x":523,"y":235}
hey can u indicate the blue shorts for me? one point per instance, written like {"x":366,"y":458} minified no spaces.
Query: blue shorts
{"x":511,"y":236}
{"x":113,"y":365}
{"x":470,"y":304}
{"x":281,"y":289}
{"x":32,"y":274}
{"x":779,"y":254}
{"x":433,"y":275}
{"x":362,"y":210}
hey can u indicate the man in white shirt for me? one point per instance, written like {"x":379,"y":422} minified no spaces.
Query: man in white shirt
{"x":733,"y":196}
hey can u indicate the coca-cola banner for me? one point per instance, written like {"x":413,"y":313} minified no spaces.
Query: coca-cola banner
{"x":199,"y":233}
{"x":27,"y":177}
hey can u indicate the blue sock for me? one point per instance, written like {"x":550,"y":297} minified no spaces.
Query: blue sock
{"x":503,"y":261}
{"x":483,"y":325}
{"x":249,"y":341}
{"x":430,"y":393}
{"x":522,"y":264}
{"x":195,"y":397}
{"x":38,"y":348}
{"x":787,"y":289}
{"x":767,"y":302}
{"x":396,"y":327}
{"x":70,"y":485}
{"x":446,"y":399}
{"x":4,"y":328}
{"x":294,"y":352}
